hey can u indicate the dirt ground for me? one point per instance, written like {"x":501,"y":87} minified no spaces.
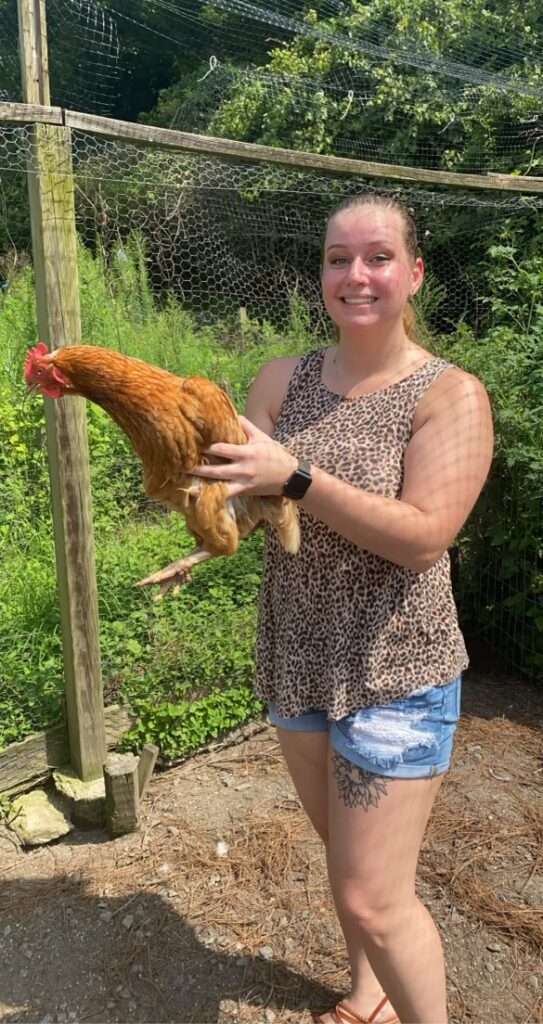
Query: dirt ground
{"x":217,"y":909}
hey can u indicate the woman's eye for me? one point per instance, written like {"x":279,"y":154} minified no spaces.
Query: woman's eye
{"x":338,"y":261}
{"x":381,"y":258}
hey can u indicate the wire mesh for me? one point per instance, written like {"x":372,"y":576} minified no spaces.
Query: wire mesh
{"x":431,"y":121}
{"x":223,"y":236}
{"x":83,"y":49}
{"x":376,"y":83}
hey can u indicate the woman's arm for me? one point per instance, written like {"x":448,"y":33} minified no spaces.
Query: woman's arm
{"x":446,"y":464}
{"x":267,"y":392}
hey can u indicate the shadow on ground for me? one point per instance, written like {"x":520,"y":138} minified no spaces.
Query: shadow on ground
{"x":142,"y":961}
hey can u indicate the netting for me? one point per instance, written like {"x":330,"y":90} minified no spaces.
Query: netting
{"x":252,"y":227}
{"x":440,"y":87}
{"x":348,"y":113}
{"x":83,"y":55}
{"x":434,"y":88}
{"x":234,"y":243}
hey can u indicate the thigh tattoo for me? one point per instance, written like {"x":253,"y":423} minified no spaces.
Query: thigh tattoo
{"x":357,"y":787}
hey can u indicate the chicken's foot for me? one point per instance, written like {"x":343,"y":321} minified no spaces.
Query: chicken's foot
{"x":175,"y":575}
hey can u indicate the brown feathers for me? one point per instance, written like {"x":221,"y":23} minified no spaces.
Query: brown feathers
{"x":170,"y":421}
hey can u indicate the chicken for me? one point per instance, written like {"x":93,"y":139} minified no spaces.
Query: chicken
{"x":170,"y":422}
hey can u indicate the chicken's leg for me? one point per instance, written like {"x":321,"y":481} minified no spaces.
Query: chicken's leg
{"x":176,"y":574}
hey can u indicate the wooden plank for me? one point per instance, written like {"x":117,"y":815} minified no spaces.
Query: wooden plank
{"x":291,"y":158}
{"x":28,"y":763}
{"x":146,"y":763}
{"x":30,"y":113}
{"x":208,"y":145}
{"x":54,"y":254}
{"x":33,"y":51}
{"x":54,"y":249}
{"x":122,"y":798}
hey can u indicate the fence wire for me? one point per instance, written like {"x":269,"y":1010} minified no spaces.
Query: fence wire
{"x":226,"y":238}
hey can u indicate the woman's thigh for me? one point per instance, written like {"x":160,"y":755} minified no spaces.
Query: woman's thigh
{"x":306,"y":755}
{"x":376,"y":825}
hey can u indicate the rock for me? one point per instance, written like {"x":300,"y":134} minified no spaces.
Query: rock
{"x":87,"y":798}
{"x":221,"y":849}
{"x":38,"y":818}
{"x":269,"y":1016}
{"x":207,"y":936}
{"x":228,"y":1010}
{"x":266,"y":952}
{"x":127,"y":921}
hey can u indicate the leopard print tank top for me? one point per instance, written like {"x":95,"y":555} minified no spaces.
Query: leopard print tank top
{"x":339,"y":628}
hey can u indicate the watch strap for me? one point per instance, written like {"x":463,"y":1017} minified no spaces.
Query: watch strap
{"x":299,"y":481}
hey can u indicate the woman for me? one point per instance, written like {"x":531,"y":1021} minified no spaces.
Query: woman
{"x":359,"y":652}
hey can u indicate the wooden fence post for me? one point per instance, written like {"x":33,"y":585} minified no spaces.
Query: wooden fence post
{"x":54,"y":248}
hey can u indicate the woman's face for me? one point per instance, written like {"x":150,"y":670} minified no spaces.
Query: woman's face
{"x":368,"y":274}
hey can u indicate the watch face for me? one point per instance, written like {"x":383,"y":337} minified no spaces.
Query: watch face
{"x":298,"y":483}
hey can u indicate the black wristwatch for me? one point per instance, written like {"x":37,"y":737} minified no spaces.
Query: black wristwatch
{"x":298,"y":483}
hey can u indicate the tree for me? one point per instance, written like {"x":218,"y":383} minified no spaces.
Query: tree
{"x":386,"y":81}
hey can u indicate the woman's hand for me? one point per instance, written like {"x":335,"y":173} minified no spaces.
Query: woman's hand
{"x":262,"y":466}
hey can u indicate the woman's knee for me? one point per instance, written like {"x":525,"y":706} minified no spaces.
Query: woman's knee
{"x":376,"y":913}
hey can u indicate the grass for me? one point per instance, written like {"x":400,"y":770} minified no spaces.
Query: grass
{"x":165,"y":659}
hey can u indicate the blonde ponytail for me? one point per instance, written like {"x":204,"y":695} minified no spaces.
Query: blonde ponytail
{"x":410,"y":322}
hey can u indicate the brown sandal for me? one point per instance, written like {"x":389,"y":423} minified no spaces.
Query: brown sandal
{"x":343,"y":1014}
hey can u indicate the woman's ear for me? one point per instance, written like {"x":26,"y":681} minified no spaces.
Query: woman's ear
{"x":417,"y":276}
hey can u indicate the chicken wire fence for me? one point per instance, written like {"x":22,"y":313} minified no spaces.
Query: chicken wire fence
{"x":237,"y":243}
{"x":349,"y":79}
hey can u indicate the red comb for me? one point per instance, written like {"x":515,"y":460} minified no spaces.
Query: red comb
{"x":37,"y":352}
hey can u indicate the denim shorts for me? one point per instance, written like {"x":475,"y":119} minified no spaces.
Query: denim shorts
{"x":408,"y":739}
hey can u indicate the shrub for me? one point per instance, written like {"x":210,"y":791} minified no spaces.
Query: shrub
{"x":502,"y":546}
{"x":153,"y":654}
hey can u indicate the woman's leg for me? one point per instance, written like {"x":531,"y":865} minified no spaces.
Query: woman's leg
{"x":306,"y":755}
{"x":376,"y":826}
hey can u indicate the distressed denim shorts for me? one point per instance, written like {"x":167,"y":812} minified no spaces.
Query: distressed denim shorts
{"x":408,"y":739}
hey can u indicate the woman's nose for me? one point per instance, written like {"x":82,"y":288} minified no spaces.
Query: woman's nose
{"x":358,"y":270}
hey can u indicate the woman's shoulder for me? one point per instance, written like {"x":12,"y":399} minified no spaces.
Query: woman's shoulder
{"x":452,"y":388}
{"x":272,"y":380}
{"x":274,"y":376}
{"x":453,"y":376}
